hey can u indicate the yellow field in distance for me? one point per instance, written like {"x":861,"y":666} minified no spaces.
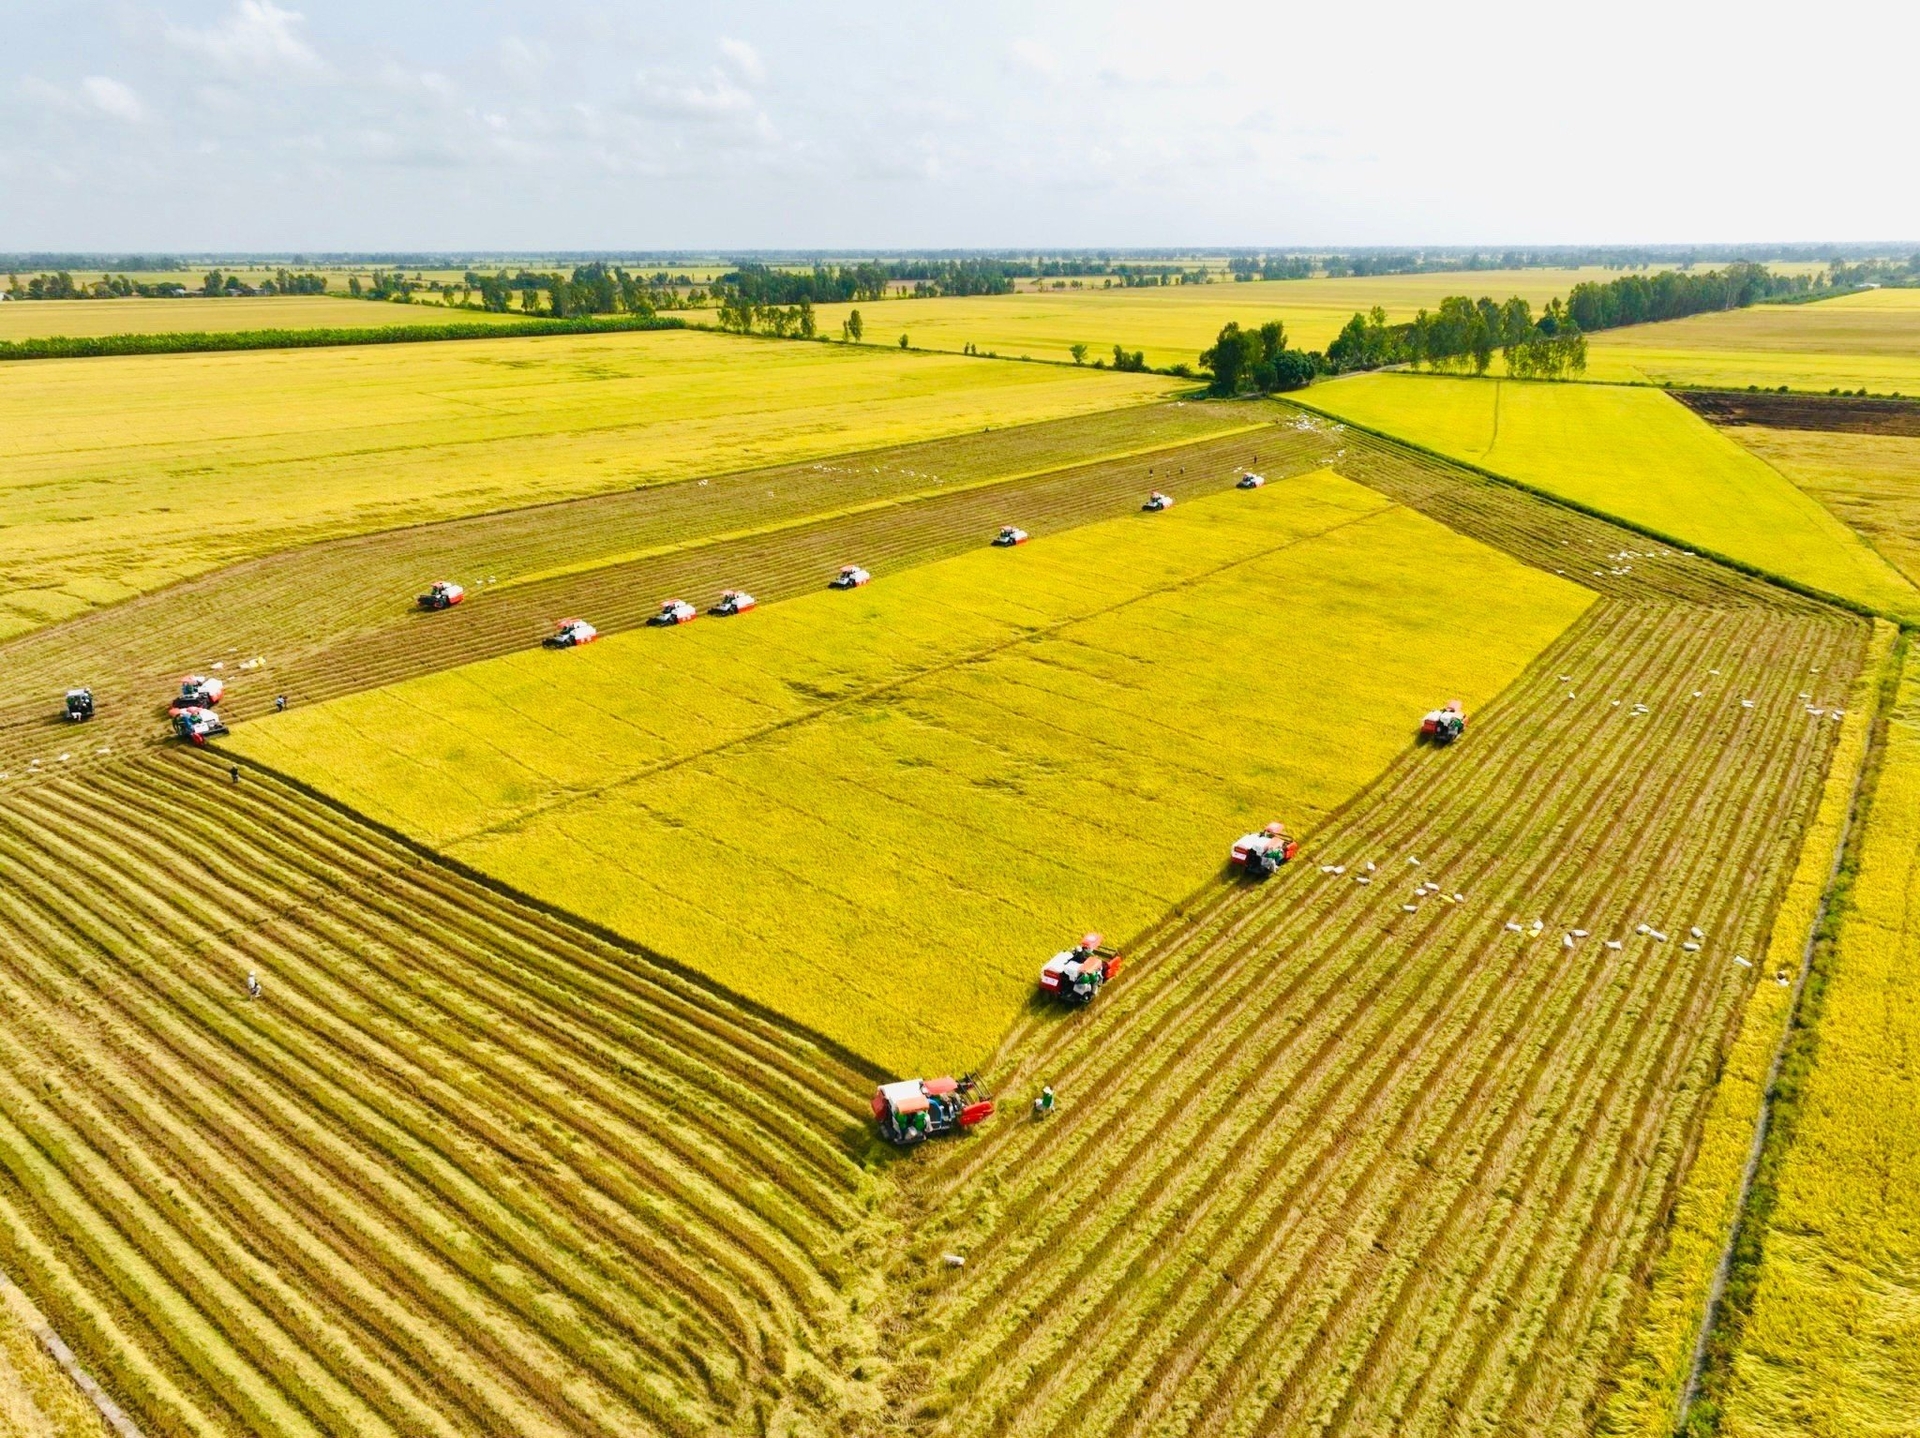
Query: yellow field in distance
{"x":1866,"y":341}
{"x":127,"y":474}
{"x":1870,"y":481}
{"x":1174,"y":323}
{"x":43,"y":319}
{"x":1631,"y":452}
{"x":880,"y":812}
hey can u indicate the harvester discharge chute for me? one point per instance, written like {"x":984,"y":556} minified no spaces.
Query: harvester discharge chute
{"x":1075,"y":975}
{"x":1259,"y":855}
{"x":1008,"y":537}
{"x":197,"y":725}
{"x":851,"y":576}
{"x":197,"y":692}
{"x":1157,"y":502}
{"x":733,"y":601}
{"x":674,"y":611}
{"x":441,"y":595}
{"x":79,"y":705}
{"x":570,"y":634}
{"x":1443,"y":726}
{"x":911,"y":1111}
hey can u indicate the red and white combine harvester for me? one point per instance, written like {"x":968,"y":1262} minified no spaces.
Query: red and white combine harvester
{"x":570,"y":634}
{"x":1262,"y":853}
{"x":733,"y":601}
{"x":441,"y":595}
{"x":1250,"y":480}
{"x":913,"y":1110}
{"x":197,"y":725}
{"x":1157,"y":502}
{"x":851,"y":576}
{"x":1443,"y":726}
{"x":197,"y":692}
{"x":674,"y":611}
{"x":1008,"y":537}
{"x":1077,"y":974}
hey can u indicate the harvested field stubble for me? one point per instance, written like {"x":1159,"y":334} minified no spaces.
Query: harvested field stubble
{"x":1870,"y":482}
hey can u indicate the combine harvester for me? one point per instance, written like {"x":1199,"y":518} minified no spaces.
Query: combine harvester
{"x":79,"y":705}
{"x":441,"y":595}
{"x":674,"y":611}
{"x":1156,"y":502}
{"x":198,"y":725}
{"x":911,"y":1111}
{"x":570,"y":634}
{"x":197,"y":692}
{"x":732,"y":601}
{"x":851,"y":576}
{"x":1077,"y":974}
{"x":1259,"y":855}
{"x":1250,"y":480}
{"x":1008,"y":537}
{"x":1443,"y":726}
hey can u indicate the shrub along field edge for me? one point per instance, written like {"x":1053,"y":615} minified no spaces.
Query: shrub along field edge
{"x":1652,"y":1376}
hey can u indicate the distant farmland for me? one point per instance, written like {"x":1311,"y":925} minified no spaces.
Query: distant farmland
{"x":38,"y":319}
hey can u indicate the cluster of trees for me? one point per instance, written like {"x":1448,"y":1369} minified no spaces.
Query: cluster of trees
{"x":1257,"y":360}
{"x":1270,"y":267}
{"x":744,"y":316}
{"x":1465,"y":334}
{"x":592,"y":289}
{"x":1671,"y":294}
{"x":1876,"y":272}
{"x":760,"y":285}
{"x":61,"y":285}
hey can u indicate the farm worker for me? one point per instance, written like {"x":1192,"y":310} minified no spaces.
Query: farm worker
{"x":1043,"y":1105}
{"x":279,"y":703}
{"x":253,"y":985}
{"x":234,"y":773}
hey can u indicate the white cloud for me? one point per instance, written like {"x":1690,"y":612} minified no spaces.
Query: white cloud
{"x":258,"y":35}
{"x":745,"y":59}
{"x":110,"y":97}
{"x":1030,"y":53}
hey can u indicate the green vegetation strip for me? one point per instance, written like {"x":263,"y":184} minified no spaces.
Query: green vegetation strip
{"x":199,"y":341}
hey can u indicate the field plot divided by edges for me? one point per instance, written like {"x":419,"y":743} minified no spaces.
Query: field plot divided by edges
{"x":37,"y":1397}
{"x":1658,"y":1355}
{"x":1339,"y":1168}
{"x":42,"y":319}
{"x":1870,"y":482}
{"x":462,"y":1168}
{"x":1633,"y":453}
{"x":116,"y":484}
{"x":879,"y":812}
{"x":1832,"y":1342}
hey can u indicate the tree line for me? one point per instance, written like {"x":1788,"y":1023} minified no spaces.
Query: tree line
{"x":1672,"y":294}
{"x":61,"y":285}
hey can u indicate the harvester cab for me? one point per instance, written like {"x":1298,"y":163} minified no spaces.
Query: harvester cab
{"x":1443,"y":726}
{"x":1076,"y":975}
{"x":570,"y":634}
{"x":441,"y":595}
{"x":197,"y":692}
{"x":197,"y":725}
{"x":674,"y":611}
{"x":733,"y":601}
{"x":1250,"y":480}
{"x":911,"y":1111}
{"x":852,"y":576}
{"x":1259,"y":855}
{"x":79,"y":705}
{"x":1008,"y":537}
{"x":1157,"y":502}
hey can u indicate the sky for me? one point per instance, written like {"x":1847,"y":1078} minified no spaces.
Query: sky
{"x":286,"y":125}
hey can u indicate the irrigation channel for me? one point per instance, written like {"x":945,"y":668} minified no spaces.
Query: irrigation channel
{"x":1331,"y":1156}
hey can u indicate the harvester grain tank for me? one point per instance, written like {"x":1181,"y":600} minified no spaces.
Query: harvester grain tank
{"x":1075,"y":975}
{"x":1157,"y":502}
{"x":197,"y":692}
{"x":1262,"y":853}
{"x":79,"y":705}
{"x":674,"y":611}
{"x":911,"y":1111}
{"x":570,"y":634}
{"x":851,"y":576}
{"x":441,"y":595}
{"x":733,"y":601}
{"x":1444,"y":725}
{"x":1008,"y":537}
{"x":198,"y":725}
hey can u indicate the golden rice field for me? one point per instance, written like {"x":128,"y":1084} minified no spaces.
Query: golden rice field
{"x":37,"y":1399}
{"x":41,"y":319}
{"x":1871,"y":482}
{"x":899,"y":778}
{"x":124,"y":475}
{"x":1173,"y":324}
{"x":1866,"y":341}
{"x":1832,"y":1343}
{"x":1634,"y":453}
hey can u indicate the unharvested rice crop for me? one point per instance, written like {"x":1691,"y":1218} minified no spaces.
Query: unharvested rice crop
{"x":920,"y":790}
{"x":1173,"y":324}
{"x":1832,"y":1344}
{"x":37,"y":1399}
{"x":1633,"y":453}
{"x":1869,"y":481}
{"x":39,"y":319}
{"x":1650,"y":1379}
{"x":1866,"y":341}
{"x":127,"y":474}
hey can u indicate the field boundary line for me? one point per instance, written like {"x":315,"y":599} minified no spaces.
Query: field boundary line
{"x":1846,"y":848}
{"x":1739,"y":566}
{"x":426,"y":854}
{"x":14,"y":1298}
{"x":871,"y":506}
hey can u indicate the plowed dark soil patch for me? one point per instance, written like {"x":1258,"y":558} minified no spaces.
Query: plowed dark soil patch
{"x":1848,"y":414}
